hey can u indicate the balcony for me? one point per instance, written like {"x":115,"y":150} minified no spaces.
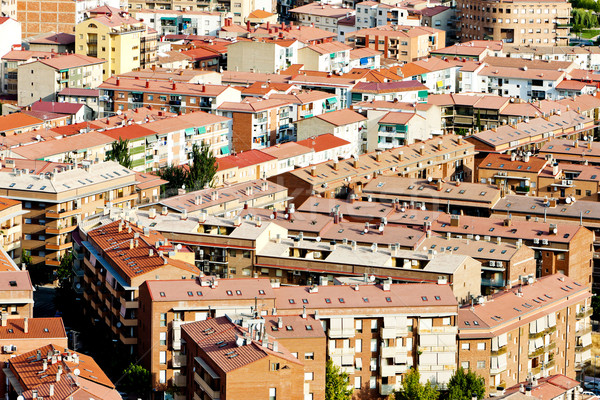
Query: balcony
{"x":386,"y":390}
{"x":52,"y":262}
{"x":493,"y":282}
{"x":179,"y":361}
{"x":545,"y":332}
{"x":583,"y":331}
{"x":542,"y":367}
{"x":392,"y":370}
{"x":127,"y":340}
{"x":392,"y":352}
{"x":59,"y":229}
{"x":128,"y":321}
{"x":542,"y":350}
{"x":587,"y":312}
{"x":205,"y":387}
{"x":129,"y":304}
{"x":178,"y":380}
{"x":439,"y":329}
{"x":344,"y":351}
{"x":583,"y":349}
{"x":500,"y":351}
{"x":62,"y":213}
{"x":51,"y":244}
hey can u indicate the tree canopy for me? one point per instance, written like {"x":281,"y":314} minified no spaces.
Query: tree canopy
{"x":119,"y":152}
{"x":136,"y":380}
{"x":464,"y":385}
{"x":336,"y":383}
{"x":195,"y":176}
{"x":413,"y":389}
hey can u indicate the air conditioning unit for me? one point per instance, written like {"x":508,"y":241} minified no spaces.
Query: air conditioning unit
{"x":9,"y":349}
{"x":544,"y":241}
{"x":499,"y":264}
{"x":536,"y":241}
{"x":492,"y":263}
{"x":296,"y":273}
{"x":569,"y":182}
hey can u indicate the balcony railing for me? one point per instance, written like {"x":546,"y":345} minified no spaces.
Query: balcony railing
{"x":584,"y":313}
{"x":542,"y":333}
{"x":542,"y":350}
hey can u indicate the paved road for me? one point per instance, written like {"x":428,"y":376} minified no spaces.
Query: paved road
{"x":44,"y":302}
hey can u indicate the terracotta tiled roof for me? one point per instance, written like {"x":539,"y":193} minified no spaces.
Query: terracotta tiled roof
{"x":243,"y":159}
{"x":341,"y":117}
{"x":293,"y":327}
{"x":201,"y":289}
{"x":77,"y":142}
{"x":323,"y":142}
{"x":147,"y":180}
{"x":58,"y":108}
{"x":398,"y":118}
{"x":388,"y":87}
{"x":286,"y":150}
{"x":322,"y":10}
{"x":79,"y":92}
{"x":8,"y":203}
{"x":17,"y":120}
{"x":133,"y":131}
{"x":39,"y":328}
{"x":217,"y":340}
{"x":163,"y":87}
{"x":259,"y":14}
{"x":54,"y":38}
{"x":71,"y":61}
{"x":503,"y":162}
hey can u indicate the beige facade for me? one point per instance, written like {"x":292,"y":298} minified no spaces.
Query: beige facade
{"x":11,"y":228}
{"x":529,"y":22}
{"x":43,"y":79}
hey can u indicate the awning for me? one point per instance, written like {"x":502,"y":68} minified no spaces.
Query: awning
{"x":151,"y":139}
{"x":14,"y":381}
{"x":332,"y":100}
{"x":225,"y":150}
{"x":201,"y":130}
{"x":190,"y":131}
{"x":440,"y":84}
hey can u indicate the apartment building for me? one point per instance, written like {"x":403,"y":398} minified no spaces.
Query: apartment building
{"x":345,"y":124}
{"x":585,"y":57}
{"x":114,"y":37}
{"x":439,"y":75}
{"x":118,"y":258}
{"x":89,"y":97}
{"x":60,"y":367}
{"x":265,"y":368}
{"x":22,"y":335}
{"x":173,"y":22}
{"x":327,"y":147}
{"x":411,"y":91}
{"x":10,"y":29}
{"x":328,"y":57}
{"x":59,"y":42}
{"x":121,"y":94}
{"x":245,"y":167}
{"x":56,"y":197}
{"x":258,"y":123}
{"x":44,"y":78}
{"x":170,"y":141}
{"x":398,"y":42}
{"x":451,"y":197}
{"x":10,"y":64}
{"x":229,"y":200}
{"x":11,"y":227}
{"x":532,"y":134}
{"x":375,"y":351}
{"x":322,"y":16}
{"x":371,"y":14}
{"x":449,"y":157}
{"x":290,"y":155}
{"x":364,"y":58}
{"x":9,"y":9}
{"x":16,"y":291}
{"x":572,"y":151}
{"x":308,"y":103}
{"x":538,"y":328}
{"x":266,"y":55}
{"x":541,"y":23}
{"x":40,"y":16}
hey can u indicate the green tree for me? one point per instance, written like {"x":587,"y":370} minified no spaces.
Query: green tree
{"x":203,"y":167}
{"x":336,"y":383}
{"x":137,"y":381}
{"x":478,"y":120}
{"x":175,"y":175}
{"x":596,"y":307}
{"x":465,"y":385}
{"x":413,"y":389}
{"x":120,"y":153}
{"x":65,"y":270}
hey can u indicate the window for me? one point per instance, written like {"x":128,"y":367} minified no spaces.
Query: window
{"x":372,"y":382}
{"x":309,"y":376}
{"x":464,"y":364}
{"x":162,"y":357}
{"x":163,"y":338}
{"x":373,"y":325}
{"x":480,"y":364}
{"x":309,"y":356}
{"x":357,"y":382}
{"x":163,"y":319}
{"x":373,"y":345}
{"x":481,"y":346}
{"x":275,"y":366}
{"x":358,"y":345}
{"x":162,"y":377}
{"x":272,"y":394}
{"x":358,"y":324}
{"x":465,"y":346}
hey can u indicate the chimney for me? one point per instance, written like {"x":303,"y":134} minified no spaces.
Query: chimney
{"x":131,"y":244}
{"x":552,"y":202}
{"x":147,"y":83}
{"x":174,"y":86}
{"x":51,"y":390}
{"x":400,"y":155}
{"x":304,"y":312}
{"x":355,"y":162}
{"x":378,"y":156}
{"x":454,"y":220}
{"x":44,"y":364}
{"x":313,"y":171}
{"x":198,"y":200}
{"x":26,"y":325}
{"x":336,"y":165}
{"x":4,"y":317}
{"x":164,"y":211}
{"x":118,"y":82}
{"x":152,"y":213}
{"x":439,"y":145}
{"x":279,"y":322}
{"x":422,"y":150}
{"x":439,"y":185}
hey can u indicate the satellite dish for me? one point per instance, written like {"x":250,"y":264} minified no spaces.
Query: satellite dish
{"x":423,"y":208}
{"x":76,"y":372}
{"x":429,"y":179}
{"x":20,"y":398}
{"x":477,"y":237}
{"x":118,"y":324}
{"x":271,"y":216}
{"x":179,"y":246}
{"x":568,"y":200}
{"x":372,"y":278}
{"x":318,"y":238}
